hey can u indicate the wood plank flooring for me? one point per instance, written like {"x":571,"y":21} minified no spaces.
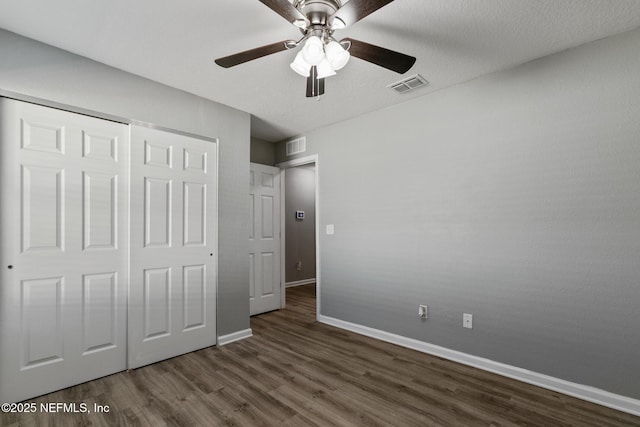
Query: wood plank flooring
{"x":297,"y":372}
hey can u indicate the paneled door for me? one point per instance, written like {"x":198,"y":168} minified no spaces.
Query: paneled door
{"x":63,"y":249}
{"x":265,"y":288}
{"x":172,"y":295}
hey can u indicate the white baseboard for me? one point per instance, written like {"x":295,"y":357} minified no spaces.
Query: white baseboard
{"x":236,"y":336}
{"x":588,"y":393}
{"x":300,"y":283}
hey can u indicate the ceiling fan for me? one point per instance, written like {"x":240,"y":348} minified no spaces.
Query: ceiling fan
{"x":322,"y":55}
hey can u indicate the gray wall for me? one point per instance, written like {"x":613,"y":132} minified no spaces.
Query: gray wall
{"x":300,"y":235}
{"x":263,"y":152}
{"x":514,"y":197}
{"x":39,"y":70}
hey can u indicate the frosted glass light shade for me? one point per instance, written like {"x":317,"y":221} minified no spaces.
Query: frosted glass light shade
{"x":300,"y":66}
{"x":325,"y":69}
{"x":337,"y":56}
{"x":313,"y":50}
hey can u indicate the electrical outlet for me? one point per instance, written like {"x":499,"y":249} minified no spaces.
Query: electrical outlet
{"x":467,"y":321}
{"x":299,"y":266}
{"x":423,"y":312}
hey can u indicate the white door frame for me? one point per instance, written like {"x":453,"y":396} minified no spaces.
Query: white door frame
{"x":313,"y":159}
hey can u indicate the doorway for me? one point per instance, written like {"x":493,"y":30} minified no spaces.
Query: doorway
{"x":300,"y":225}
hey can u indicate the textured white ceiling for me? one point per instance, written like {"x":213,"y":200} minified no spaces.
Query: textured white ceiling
{"x":175,"y":43}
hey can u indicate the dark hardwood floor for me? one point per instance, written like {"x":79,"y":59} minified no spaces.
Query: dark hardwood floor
{"x":297,"y":372}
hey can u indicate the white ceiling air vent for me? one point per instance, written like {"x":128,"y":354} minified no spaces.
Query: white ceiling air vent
{"x":296,"y":146}
{"x":409,"y":84}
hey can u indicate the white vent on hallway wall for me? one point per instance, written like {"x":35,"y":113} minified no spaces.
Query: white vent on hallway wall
{"x":409,"y":84}
{"x":296,"y":146}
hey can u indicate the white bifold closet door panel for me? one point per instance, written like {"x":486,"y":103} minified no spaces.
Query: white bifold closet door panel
{"x":172,"y":295}
{"x":63,"y":243}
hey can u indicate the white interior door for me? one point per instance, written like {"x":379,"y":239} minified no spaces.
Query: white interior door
{"x":63,"y":195}
{"x":172,"y":295}
{"x":264,"y":239}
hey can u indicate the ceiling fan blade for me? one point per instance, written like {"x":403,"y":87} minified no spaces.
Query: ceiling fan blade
{"x":287,"y":11}
{"x":251,"y":54}
{"x":355,"y":10}
{"x":389,"y":59}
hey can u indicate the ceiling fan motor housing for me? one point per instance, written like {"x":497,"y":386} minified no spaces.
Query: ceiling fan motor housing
{"x":318,"y":11}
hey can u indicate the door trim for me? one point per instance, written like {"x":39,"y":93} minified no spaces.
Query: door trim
{"x":307,"y":160}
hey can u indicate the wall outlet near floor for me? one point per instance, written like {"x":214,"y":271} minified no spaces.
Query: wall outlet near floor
{"x":423,"y":312}
{"x":299,"y":265}
{"x":467,"y":321}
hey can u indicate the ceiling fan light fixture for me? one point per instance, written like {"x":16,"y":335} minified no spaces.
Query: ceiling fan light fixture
{"x":313,"y":50}
{"x":300,"y":66}
{"x":325,"y":69}
{"x":321,"y":55}
{"x":337,"y":55}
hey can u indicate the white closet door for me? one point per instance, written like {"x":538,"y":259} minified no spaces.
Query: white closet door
{"x":63,"y":249}
{"x":172,"y":296}
{"x":265,"y":286}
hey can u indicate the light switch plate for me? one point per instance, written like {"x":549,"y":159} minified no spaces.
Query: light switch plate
{"x":330,"y":229}
{"x":467,"y":321}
